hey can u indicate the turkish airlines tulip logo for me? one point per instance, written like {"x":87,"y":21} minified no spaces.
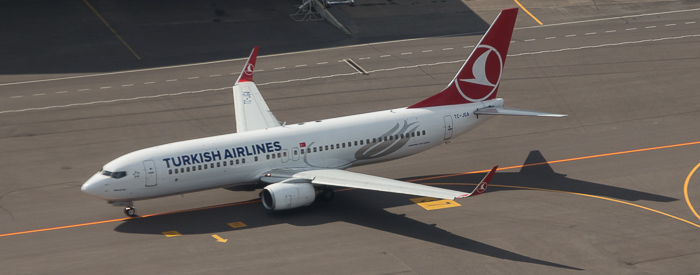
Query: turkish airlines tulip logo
{"x":485,"y":74}
{"x":249,"y":69}
{"x":482,"y":187}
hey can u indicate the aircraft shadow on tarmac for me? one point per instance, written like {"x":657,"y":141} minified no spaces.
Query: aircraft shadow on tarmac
{"x":366,"y":208}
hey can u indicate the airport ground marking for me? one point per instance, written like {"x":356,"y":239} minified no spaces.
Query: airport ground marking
{"x":413,"y":180}
{"x":237,"y":225}
{"x":170,"y":234}
{"x":580,"y":194}
{"x":337,"y":75}
{"x":685,"y":191}
{"x":219,"y":239}
{"x":111,"y":29}
{"x":528,"y":12}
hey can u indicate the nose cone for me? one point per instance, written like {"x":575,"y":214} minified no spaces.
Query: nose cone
{"x":93,"y":186}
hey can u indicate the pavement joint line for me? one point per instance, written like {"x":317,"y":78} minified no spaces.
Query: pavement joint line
{"x":111,"y":29}
{"x":377,"y":70}
{"x":414,"y":180}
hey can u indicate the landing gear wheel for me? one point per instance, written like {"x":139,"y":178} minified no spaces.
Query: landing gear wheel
{"x":327,"y":194}
{"x":130,"y":211}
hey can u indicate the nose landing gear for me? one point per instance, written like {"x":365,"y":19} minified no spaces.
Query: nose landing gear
{"x":130,"y":211}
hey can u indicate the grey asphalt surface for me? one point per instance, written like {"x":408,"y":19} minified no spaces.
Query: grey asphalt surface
{"x":627,"y":83}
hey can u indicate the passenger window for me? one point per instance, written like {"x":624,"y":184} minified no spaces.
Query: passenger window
{"x":295,"y":153}
{"x":218,"y":164}
{"x":343,"y":144}
{"x":374,"y":140}
{"x":337,"y":146}
{"x":199,"y":168}
{"x":320,"y":148}
{"x":413,"y":134}
{"x":332,"y":147}
{"x":326,"y":147}
{"x":314,"y":149}
{"x":279,"y":155}
{"x":356,"y":143}
{"x":224,"y":163}
{"x":391,"y":137}
{"x":386,"y":138}
{"x":424,"y":132}
{"x":361,"y":142}
{"x":188,"y":169}
{"x":175,"y":171}
{"x":205,"y":166}
{"x":285,"y":153}
{"x":170,"y":171}
{"x":268,"y":156}
{"x":273,"y":156}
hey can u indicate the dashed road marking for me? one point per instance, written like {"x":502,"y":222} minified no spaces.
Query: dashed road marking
{"x":630,"y":29}
{"x":61,"y":92}
{"x":147,"y":83}
{"x":363,"y":58}
{"x":570,"y":35}
{"x":171,"y":80}
{"x":669,"y":25}
{"x":82,"y":90}
{"x":691,"y":22}
{"x":650,"y":27}
{"x":426,"y":51}
{"x":590,"y":33}
{"x":529,"y":40}
{"x":39,"y":94}
{"x":302,"y":65}
{"x":611,"y":31}
{"x":17,"y":96}
{"x":386,"y":55}
{"x":127,"y":85}
{"x":447,"y":49}
{"x":321,"y":63}
{"x":105,"y":87}
{"x":214,"y":75}
{"x":194,"y":77}
{"x":551,"y":37}
{"x":279,"y":68}
{"x":406,"y":53}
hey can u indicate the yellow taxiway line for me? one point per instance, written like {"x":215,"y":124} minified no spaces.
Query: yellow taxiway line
{"x":528,"y":12}
{"x":111,"y":29}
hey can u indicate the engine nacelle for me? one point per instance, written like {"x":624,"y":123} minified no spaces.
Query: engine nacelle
{"x":281,"y":196}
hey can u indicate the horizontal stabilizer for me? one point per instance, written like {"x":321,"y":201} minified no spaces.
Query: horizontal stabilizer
{"x":513,"y":112}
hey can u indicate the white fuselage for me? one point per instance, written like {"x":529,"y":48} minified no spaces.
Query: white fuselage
{"x":231,"y":159}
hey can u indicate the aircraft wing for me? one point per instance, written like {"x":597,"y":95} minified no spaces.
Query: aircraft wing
{"x":342,"y":178}
{"x":251,"y":110}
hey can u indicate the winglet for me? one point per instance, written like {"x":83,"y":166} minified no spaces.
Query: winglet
{"x":481,"y":187}
{"x":247,"y":73}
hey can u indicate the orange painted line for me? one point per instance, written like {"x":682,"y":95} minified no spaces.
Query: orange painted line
{"x":563,"y":160}
{"x":585,"y":195}
{"x":528,"y":12}
{"x":414,"y":180}
{"x":685,"y":191}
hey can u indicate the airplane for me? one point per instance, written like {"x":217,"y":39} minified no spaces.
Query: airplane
{"x":302,"y":162}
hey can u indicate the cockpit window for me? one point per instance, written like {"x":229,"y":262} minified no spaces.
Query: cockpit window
{"x":115,"y":175}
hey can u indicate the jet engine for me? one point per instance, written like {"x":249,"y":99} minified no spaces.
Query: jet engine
{"x":281,"y":196}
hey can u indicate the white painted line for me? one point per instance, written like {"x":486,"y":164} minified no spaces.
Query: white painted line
{"x":611,"y":31}
{"x":426,"y":51}
{"x":570,"y":35}
{"x":529,"y":40}
{"x":279,"y":68}
{"x":321,"y":63}
{"x":302,"y":65}
{"x":171,"y":80}
{"x":148,"y":83}
{"x":590,"y":33}
{"x":447,"y":49}
{"x":630,"y":29}
{"x":257,"y":70}
{"x":467,"y":47}
{"x":669,"y":25}
{"x":650,"y":27}
{"x":406,"y":53}
{"x":127,"y":85}
{"x":551,"y":37}
{"x":363,"y":58}
{"x":62,"y":92}
{"x":39,"y":94}
{"x":386,"y":55}
{"x":17,"y":96}
{"x":691,"y":22}
{"x":215,"y":75}
{"x":105,"y":87}
{"x":194,"y":77}
{"x":82,"y":90}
